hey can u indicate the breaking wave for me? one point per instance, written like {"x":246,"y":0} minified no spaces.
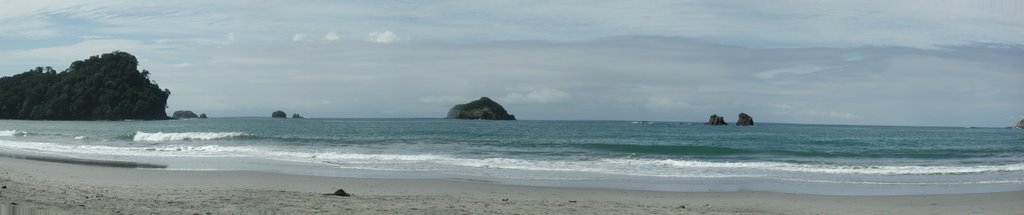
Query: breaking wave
{"x":160,"y":136}
{"x":12,"y":133}
{"x":417,"y":162}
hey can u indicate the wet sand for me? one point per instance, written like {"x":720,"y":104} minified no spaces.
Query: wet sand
{"x":34,"y":185}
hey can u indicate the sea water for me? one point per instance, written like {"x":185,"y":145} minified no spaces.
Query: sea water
{"x":666,"y":156}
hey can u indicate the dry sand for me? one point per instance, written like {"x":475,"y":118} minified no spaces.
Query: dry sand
{"x":37,"y":186}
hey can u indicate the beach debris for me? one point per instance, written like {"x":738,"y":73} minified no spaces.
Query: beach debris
{"x":504,"y":200}
{"x":572,"y":201}
{"x":339,"y":192}
{"x":3,"y":187}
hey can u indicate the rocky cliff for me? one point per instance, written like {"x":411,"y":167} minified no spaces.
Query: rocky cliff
{"x":1020,"y":124}
{"x":483,"y":108}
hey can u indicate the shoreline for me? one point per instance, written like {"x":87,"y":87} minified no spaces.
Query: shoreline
{"x":66,"y":187}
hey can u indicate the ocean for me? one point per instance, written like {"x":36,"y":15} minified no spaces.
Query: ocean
{"x":664,"y":156}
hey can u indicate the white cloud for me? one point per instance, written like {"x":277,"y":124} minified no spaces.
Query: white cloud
{"x":444,"y":99}
{"x":663,"y":104}
{"x":541,"y":96}
{"x":790,"y":110}
{"x":383,"y":37}
{"x":298,"y":37}
{"x":797,"y":70}
{"x":84,"y":49}
{"x":331,"y":36}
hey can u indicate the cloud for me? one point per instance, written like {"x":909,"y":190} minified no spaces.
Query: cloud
{"x":663,"y":104}
{"x":84,"y":49}
{"x":616,"y":78}
{"x":384,"y":37}
{"x":541,"y":96}
{"x":797,"y":23}
{"x":797,"y":70}
{"x":331,"y":36}
{"x":790,"y":110}
{"x":231,"y":37}
{"x":444,"y":99}
{"x":886,"y":62}
{"x":298,"y":37}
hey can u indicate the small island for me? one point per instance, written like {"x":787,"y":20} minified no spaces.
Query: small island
{"x":481,"y":109}
{"x":104,"y":87}
{"x":1020,"y":124}
{"x":186,"y":114}
{"x":279,"y":114}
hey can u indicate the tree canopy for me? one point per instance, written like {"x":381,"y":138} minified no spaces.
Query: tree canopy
{"x":104,"y":87}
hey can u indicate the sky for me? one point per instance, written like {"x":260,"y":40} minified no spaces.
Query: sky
{"x":922,"y":63}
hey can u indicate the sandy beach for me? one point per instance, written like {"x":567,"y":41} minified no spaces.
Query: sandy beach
{"x":73,"y":188}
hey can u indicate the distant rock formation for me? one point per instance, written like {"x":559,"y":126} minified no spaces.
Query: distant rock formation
{"x":1020,"y":124}
{"x":716,"y":120}
{"x":279,"y":114}
{"x":184,"y":114}
{"x":297,"y":116}
{"x":745,"y":120}
{"x":202,"y":116}
{"x":483,"y":108}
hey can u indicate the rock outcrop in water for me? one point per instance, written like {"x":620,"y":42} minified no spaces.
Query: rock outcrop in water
{"x":297,"y":116}
{"x":745,"y":120}
{"x":1020,"y":124}
{"x":202,"y":116}
{"x":184,"y":114}
{"x":279,"y":114}
{"x":716,"y":120}
{"x":483,"y":108}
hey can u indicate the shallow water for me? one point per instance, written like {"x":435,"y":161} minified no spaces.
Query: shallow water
{"x":671,"y":156}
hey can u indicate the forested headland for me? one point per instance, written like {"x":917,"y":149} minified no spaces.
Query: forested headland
{"x":103,"y":87}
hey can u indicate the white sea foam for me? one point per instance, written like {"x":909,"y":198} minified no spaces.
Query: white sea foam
{"x":416,"y":162}
{"x":160,"y":136}
{"x":823,"y":169}
{"x":11,"y":133}
{"x":80,"y":137}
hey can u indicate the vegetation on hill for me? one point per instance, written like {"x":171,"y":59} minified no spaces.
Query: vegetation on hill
{"x":104,"y":87}
{"x":184,"y":114}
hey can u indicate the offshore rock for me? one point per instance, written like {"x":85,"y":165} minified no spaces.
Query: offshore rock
{"x":297,"y":116}
{"x":202,"y":116}
{"x":483,"y":108}
{"x":745,"y":120}
{"x":716,"y":120}
{"x":184,"y":114}
{"x":1020,"y":124}
{"x":279,"y":114}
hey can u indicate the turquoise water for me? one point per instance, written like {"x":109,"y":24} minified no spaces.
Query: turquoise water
{"x":672,"y":156}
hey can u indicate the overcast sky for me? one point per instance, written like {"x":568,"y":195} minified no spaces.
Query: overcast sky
{"x":935,"y":63}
